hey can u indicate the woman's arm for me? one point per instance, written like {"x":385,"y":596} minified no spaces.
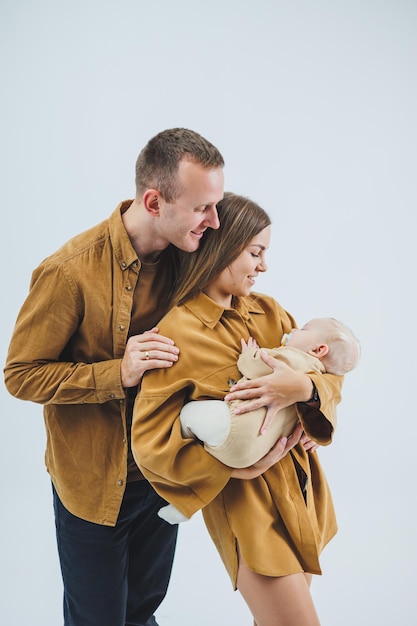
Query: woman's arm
{"x":285,"y":387}
{"x":276,"y":391}
{"x":319,"y":419}
{"x":180,"y":470}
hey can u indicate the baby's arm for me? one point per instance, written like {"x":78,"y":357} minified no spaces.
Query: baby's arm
{"x":251,"y":344}
{"x":250,"y":362}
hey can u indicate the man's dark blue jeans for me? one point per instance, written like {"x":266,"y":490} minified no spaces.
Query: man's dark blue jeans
{"x":116,"y":576}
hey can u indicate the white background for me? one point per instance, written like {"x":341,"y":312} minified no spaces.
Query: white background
{"x":313,"y":105}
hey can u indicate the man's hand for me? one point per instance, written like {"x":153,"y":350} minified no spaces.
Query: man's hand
{"x":148,"y":351}
{"x":275,"y":391}
{"x":280,"y":449}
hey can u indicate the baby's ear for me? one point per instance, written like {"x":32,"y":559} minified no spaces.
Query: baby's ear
{"x":320,"y":351}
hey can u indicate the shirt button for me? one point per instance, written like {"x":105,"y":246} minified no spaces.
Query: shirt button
{"x":120,"y":482}
{"x":112,"y":395}
{"x":123,"y":264}
{"x":122,"y":327}
{"x":128,"y":288}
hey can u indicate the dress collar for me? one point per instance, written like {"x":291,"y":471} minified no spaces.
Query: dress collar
{"x":210,"y":313}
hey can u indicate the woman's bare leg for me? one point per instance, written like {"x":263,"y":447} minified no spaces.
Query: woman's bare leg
{"x":308,"y":578}
{"x":277,"y":601}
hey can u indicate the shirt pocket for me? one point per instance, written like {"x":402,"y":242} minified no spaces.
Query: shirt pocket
{"x":217,"y":384}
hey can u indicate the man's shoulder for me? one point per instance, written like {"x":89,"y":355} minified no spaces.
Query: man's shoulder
{"x":80,"y":243}
{"x":109,"y":230}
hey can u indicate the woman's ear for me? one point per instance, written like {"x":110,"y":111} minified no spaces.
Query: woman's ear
{"x":320,"y":351}
{"x":151,"y":199}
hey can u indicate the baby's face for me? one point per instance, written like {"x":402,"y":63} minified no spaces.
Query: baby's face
{"x":308,"y":337}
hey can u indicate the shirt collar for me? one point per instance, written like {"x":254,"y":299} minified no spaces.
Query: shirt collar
{"x":122,"y":246}
{"x":210,"y":313}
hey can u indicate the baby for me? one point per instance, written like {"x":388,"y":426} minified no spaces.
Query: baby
{"x":322,"y":345}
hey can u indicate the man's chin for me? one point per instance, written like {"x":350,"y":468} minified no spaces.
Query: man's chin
{"x":191,"y":245}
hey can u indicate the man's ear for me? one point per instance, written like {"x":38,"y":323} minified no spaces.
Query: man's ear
{"x":151,"y":199}
{"x":320,"y":351}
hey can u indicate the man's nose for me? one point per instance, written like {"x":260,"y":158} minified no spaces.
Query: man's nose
{"x":212,"y":218}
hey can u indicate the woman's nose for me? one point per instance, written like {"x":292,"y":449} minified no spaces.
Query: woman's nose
{"x":262,"y":265}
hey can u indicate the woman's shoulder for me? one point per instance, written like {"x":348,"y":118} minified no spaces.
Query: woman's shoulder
{"x":197,"y":311}
{"x":271,"y":307}
{"x":179,"y":318}
{"x":264,"y":301}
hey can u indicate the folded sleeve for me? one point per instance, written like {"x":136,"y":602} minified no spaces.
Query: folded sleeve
{"x":179,"y":469}
{"x":320,"y":423}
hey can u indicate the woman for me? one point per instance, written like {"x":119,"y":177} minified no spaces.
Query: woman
{"x":269,"y":522}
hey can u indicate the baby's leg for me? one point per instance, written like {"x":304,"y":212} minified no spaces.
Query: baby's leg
{"x":207,"y":420}
{"x":172,"y":515}
{"x":244,"y":445}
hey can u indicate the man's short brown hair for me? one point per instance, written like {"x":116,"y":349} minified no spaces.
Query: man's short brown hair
{"x":157,"y":164}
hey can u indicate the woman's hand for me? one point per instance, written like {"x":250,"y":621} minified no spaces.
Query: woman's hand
{"x":308,"y":444}
{"x":280,"y":449}
{"x":148,"y":351}
{"x":275,"y":391}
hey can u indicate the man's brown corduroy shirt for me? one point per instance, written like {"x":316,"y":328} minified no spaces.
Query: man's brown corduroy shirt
{"x":66,"y":351}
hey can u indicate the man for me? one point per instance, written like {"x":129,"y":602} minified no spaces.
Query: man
{"x":82,"y":342}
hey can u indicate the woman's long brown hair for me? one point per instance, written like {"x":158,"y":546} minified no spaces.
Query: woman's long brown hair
{"x":240,"y":220}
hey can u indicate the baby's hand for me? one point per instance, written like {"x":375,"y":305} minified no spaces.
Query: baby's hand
{"x":251,"y":344}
